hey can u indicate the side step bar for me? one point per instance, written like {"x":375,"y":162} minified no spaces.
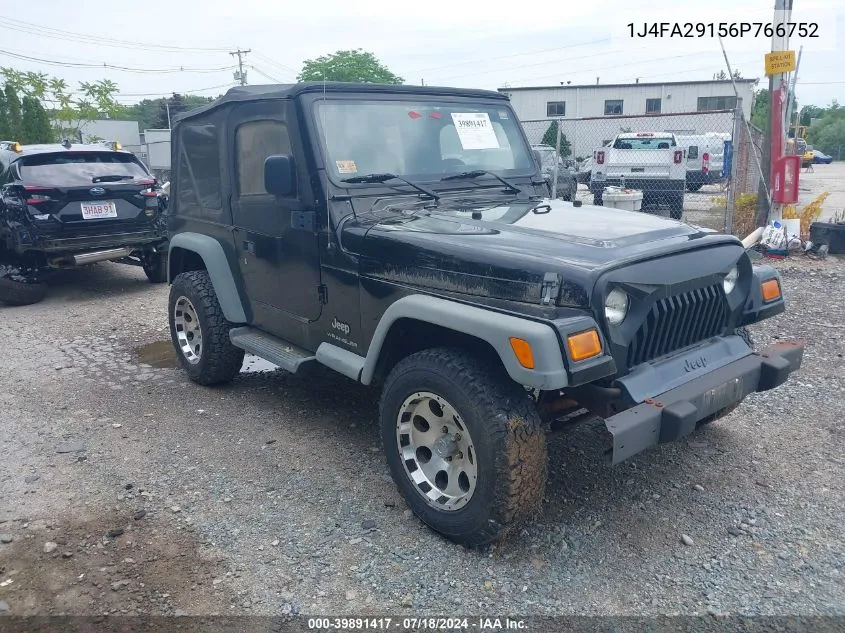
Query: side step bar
{"x":272,"y":349}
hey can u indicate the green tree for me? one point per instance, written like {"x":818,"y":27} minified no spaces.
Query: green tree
{"x":828,"y":134}
{"x":5,"y":132}
{"x":13,"y":112}
{"x":353,"y":65}
{"x":760,"y":109}
{"x":36,"y":126}
{"x":550,"y":139}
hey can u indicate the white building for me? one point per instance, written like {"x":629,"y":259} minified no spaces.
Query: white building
{"x":590,"y":115}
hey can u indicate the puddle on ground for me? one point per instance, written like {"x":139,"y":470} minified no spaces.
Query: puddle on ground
{"x":159,"y":354}
{"x":162,"y":355}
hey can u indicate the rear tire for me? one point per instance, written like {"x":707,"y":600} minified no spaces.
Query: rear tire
{"x":155,"y":266}
{"x":479,"y":451}
{"x":200,"y":332}
{"x":21,"y":293}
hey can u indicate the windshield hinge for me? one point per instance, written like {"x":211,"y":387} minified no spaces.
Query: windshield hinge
{"x":323,"y":293}
{"x":550,"y":289}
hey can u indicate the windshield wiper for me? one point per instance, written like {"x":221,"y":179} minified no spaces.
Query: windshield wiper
{"x":475,"y":173}
{"x":112,"y":178}
{"x":385,"y":177}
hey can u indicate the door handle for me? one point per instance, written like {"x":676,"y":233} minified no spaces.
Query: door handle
{"x":249,"y":246}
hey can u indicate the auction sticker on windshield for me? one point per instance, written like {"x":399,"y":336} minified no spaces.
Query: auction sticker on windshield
{"x":346,"y":167}
{"x":475,"y":130}
{"x":97,"y":210}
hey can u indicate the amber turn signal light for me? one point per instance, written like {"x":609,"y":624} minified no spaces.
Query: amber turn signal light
{"x":522,"y":350}
{"x":770,"y":289}
{"x":584,"y":345}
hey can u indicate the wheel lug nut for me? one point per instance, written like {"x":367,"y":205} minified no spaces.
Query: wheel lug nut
{"x":445,"y":429}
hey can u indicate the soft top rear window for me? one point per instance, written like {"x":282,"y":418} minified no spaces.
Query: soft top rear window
{"x":645,"y":142}
{"x":70,"y":169}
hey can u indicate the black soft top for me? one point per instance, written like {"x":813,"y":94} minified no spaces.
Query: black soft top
{"x":287,"y":91}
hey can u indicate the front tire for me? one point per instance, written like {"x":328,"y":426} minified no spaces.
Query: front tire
{"x":200,"y":332}
{"x":464,"y":445}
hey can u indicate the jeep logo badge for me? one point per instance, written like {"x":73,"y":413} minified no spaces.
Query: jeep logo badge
{"x":340,"y":326}
{"x":698,"y":363}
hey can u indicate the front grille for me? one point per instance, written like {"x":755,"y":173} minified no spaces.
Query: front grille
{"x":678,"y":321}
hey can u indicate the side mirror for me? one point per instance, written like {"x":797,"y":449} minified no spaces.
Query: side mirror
{"x":280,"y":175}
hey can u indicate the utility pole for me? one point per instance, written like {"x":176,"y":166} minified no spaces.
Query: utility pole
{"x":774,"y":143}
{"x":240,"y":75}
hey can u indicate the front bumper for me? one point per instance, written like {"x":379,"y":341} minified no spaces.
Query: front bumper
{"x":675,"y":413}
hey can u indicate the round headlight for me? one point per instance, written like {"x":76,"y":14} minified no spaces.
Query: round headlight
{"x":616,"y":306}
{"x":730,"y":280}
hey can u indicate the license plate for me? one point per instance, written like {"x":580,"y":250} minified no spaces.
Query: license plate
{"x":97,"y":210}
{"x":637,"y":170}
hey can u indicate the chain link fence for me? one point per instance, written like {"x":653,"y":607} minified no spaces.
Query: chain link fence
{"x":704,"y":174}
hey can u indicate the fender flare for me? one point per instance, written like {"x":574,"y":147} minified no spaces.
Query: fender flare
{"x":495,"y":328}
{"x":219,"y":270}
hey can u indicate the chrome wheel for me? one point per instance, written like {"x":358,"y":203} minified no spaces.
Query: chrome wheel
{"x":188,"y":330}
{"x":437,"y":451}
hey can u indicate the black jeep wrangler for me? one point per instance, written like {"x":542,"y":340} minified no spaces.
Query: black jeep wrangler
{"x":65,"y":205}
{"x":399,"y":236}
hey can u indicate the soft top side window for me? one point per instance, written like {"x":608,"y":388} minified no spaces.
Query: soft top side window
{"x":254,"y":142}
{"x":198,"y":181}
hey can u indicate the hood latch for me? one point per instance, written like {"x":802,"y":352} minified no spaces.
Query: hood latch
{"x":550,"y":289}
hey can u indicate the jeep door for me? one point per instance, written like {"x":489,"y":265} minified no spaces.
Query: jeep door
{"x":277,"y":250}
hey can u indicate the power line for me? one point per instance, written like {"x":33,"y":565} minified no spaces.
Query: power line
{"x":487,"y":59}
{"x":268,"y":60}
{"x":168,"y":94}
{"x":49,"y":32}
{"x":552,"y":61}
{"x":633,"y":63}
{"x":54,"y":62}
{"x":265,"y":75}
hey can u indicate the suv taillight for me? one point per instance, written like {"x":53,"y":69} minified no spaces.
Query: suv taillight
{"x":599,"y":158}
{"x":705,"y":162}
{"x":679,"y":156}
{"x":36,"y":195}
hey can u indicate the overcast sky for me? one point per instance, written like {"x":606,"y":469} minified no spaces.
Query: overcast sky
{"x":468,"y":44}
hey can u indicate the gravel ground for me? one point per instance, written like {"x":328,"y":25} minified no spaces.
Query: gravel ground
{"x":127,"y":489}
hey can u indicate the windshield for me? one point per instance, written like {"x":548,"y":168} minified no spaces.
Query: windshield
{"x":420,"y":140}
{"x":650,"y":142}
{"x":71,"y":169}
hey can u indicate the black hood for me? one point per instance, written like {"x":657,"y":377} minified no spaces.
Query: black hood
{"x":504,"y":250}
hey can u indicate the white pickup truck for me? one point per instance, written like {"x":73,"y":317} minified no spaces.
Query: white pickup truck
{"x":652,"y":162}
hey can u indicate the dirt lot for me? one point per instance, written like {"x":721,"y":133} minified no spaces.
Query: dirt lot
{"x":127,"y":489}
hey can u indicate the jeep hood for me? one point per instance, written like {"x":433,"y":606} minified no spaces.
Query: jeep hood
{"x":505,"y":251}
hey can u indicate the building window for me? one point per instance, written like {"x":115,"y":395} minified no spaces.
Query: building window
{"x":556,"y":108}
{"x":613,"y":106}
{"x":652,"y":106}
{"x":706,"y":104}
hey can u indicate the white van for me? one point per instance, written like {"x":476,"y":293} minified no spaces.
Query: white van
{"x":705,"y":158}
